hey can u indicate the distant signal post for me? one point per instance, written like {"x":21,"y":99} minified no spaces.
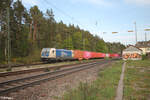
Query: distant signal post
{"x":114,"y":32}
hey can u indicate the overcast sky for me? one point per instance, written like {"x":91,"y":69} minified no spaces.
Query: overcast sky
{"x":98,"y":16}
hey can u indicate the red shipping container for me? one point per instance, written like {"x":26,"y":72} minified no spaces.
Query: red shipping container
{"x":78,"y":54}
{"x":86,"y":55}
{"x":92,"y":54}
{"x":101,"y":55}
{"x":115,"y":55}
{"x":111,"y":55}
{"x":97,"y":55}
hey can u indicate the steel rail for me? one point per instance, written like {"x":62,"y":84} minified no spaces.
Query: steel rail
{"x":41,"y":75}
{"x":31,"y":64}
{"x":38,"y":69}
{"x":73,"y":70}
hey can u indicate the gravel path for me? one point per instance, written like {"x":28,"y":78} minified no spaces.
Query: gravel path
{"x":119,"y":92}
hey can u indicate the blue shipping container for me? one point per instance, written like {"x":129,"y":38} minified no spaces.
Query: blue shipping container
{"x":63,"y":54}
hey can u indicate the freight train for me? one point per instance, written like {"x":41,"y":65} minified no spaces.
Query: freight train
{"x":53,"y":54}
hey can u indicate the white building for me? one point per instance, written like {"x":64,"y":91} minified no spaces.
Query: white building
{"x":132,"y":53}
{"x":144,"y":46}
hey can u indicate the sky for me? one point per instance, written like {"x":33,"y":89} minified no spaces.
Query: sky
{"x":102,"y":17}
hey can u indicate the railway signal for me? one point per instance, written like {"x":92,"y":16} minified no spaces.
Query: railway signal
{"x":130,"y":31}
{"x":146,"y":29}
{"x":114,"y":32}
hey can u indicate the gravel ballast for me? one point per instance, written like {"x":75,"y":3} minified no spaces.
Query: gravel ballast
{"x":52,"y":90}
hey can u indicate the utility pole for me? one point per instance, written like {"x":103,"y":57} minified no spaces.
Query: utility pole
{"x":83,"y":41}
{"x":135,"y":33}
{"x":8,"y":38}
{"x":69,"y":47}
{"x":145,"y":37}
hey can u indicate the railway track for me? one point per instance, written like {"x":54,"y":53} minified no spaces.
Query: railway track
{"x":14,"y":85}
{"x":40,"y":69}
{"x":20,"y":65}
{"x":32,"y":64}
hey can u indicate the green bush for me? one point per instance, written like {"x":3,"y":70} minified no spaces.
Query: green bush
{"x":33,"y":57}
{"x":144,"y":57}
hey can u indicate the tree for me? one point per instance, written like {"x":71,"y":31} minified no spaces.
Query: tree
{"x":3,"y":25}
{"x":36,"y":16}
{"x":87,"y":44}
{"x":115,"y":47}
{"x":50,"y":35}
{"x":100,"y":45}
{"x":58,"y":43}
{"x":31,"y":31}
{"x":68,"y":44}
{"x":77,"y":40}
{"x":19,"y":31}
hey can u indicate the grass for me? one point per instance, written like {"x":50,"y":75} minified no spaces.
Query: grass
{"x":137,"y":80}
{"x":104,"y":88}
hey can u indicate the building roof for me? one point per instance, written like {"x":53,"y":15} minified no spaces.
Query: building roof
{"x":132,"y":48}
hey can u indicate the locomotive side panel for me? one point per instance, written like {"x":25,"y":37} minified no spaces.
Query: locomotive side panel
{"x":63,"y":54}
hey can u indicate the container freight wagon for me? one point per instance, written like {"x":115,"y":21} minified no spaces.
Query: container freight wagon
{"x":94,"y":55}
{"x":86,"y":55}
{"x":78,"y":54}
{"x":114,"y":55}
{"x":101,"y":55}
{"x":52,"y":54}
{"x":97,"y":55}
{"x":62,"y":54}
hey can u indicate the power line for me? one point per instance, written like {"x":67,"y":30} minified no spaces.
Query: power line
{"x":72,"y":18}
{"x":59,"y":9}
{"x":64,"y":13}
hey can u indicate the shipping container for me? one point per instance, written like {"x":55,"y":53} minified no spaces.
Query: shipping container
{"x":101,"y":55}
{"x":114,"y":55}
{"x":78,"y":54}
{"x":111,"y":55}
{"x":94,"y":55}
{"x":86,"y":55}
